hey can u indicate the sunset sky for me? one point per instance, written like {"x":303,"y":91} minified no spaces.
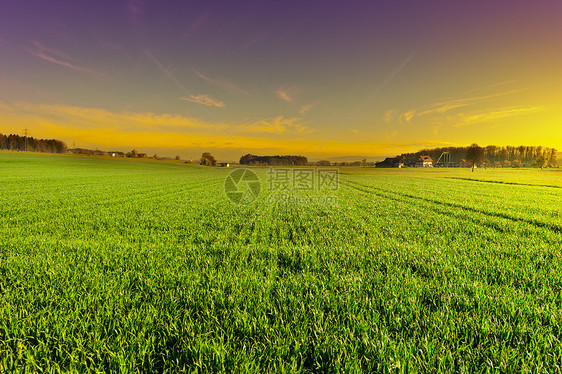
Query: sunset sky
{"x":322,"y":79}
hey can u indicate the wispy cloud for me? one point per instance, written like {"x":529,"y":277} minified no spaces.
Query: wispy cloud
{"x":127,"y":121}
{"x":39,"y":47}
{"x":252,"y":41}
{"x":391,"y":115}
{"x":60,"y":58}
{"x":467,"y":119}
{"x":305,"y":108}
{"x":492,"y":85}
{"x":197,"y":24}
{"x":62,"y":31}
{"x":287,"y":92}
{"x":135,"y":10}
{"x":204,"y":99}
{"x":98,"y":127}
{"x":391,"y":135}
{"x":415,"y":146}
{"x":221,"y":82}
{"x":93,"y":118}
{"x":111,"y":46}
{"x":445,"y":109}
{"x":275,"y":125}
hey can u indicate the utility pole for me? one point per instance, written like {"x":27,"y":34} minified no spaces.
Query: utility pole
{"x":25,"y":133}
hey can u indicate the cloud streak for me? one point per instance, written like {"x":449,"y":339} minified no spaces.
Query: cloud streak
{"x":305,"y":108}
{"x":92,"y":118}
{"x":442,"y":109}
{"x":222,"y":83}
{"x":97,"y":118}
{"x":287,"y":92}
{"x":106,"y":129}
{"x":204,"y":99}
{"x":275,"y":125}
{"x":135,"y":10}
{"x":60,"y":58}
{"x":197,"y":25}
{"x":468,"y":119}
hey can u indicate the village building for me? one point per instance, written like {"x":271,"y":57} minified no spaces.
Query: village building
{"x":424,"y":162}
{"x":465,"y":164}
{"x":390,"y":162}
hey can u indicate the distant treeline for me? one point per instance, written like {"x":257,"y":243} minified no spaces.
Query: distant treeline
{"x":18,"y":143}
{"x":526,"y":156}
{"x":273,"y":160}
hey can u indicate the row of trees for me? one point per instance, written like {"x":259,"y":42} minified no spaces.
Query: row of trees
{"x":22,"y":143}
{"x":491,"y":156}
{"x":273,"y":160}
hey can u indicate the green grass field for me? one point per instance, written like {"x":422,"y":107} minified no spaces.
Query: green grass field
{"x":115,"y":265}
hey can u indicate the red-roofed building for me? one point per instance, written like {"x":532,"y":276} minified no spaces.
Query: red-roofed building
{"x":465,"y":164}
{"x":424,"y":162}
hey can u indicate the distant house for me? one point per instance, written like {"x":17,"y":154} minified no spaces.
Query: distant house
{"x":424,"y":162}
{"x":464,"y":164}
{"x":390,"y":162}
{"x":81,"y":151}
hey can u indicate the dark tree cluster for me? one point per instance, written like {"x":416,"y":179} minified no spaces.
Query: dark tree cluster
{"x":391,"y":162}
{"x":254,"y":160}
{"x":207,"y":159}
{"x":136,"y":154}
{"x":18,"y":143}
{"x":491,"y":156}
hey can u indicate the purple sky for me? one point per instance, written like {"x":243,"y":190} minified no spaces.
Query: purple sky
{"x":281,"y":76}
